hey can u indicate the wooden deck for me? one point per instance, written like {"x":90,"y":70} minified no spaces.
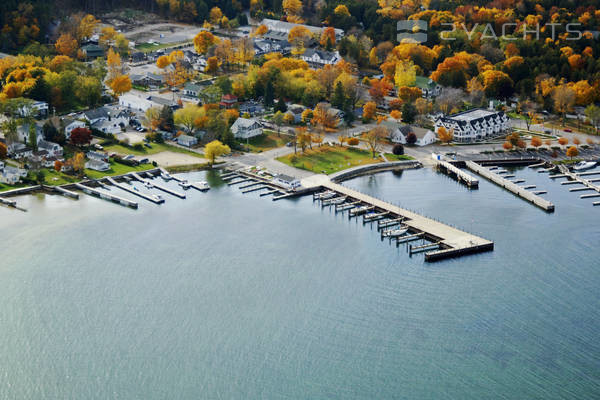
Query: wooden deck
{"x":453,"y":242}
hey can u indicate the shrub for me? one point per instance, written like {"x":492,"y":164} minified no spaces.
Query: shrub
{"x":353,"y":141}
{"x":398,"y":149}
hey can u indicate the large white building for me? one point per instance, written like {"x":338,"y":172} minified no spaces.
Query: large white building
{"x":244,"y":128}
{"x":473,"y":125}
{"x":286,"y":27}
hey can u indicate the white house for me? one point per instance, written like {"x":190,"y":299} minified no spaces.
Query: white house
{"x":97,"y":165}
{"x":94,"y":155}
{"x":285,"y":27}
{"x":97,"y":114}
{"x":191,"y":89}
{"x":187,"y":141}
{"x":134,"y":102}
{"x":476,"y":124}
{"x":286,"y":181}
{"x":12,"y":175}
{"x":70,"y":125}
{"x":53,"y":149}
{"x":112,"y":125}
{"x":244,"y":128}
{"x":320,"y":58}
{"x":424,"y":136}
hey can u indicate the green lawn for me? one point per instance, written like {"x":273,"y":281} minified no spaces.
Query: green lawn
{"x":117,"y":169}
{"x":54,"y":178}
{"x":4,"y":188}
{"x":147,"y":47}
{"x":393,"y":157}
{"x":156,"y":148}
{"x":329,"y":159}
{"x":267,"y":141}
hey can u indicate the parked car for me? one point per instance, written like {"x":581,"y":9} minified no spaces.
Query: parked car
{"x":129,"y":157}
{"x":97,"y":146}
{"x":568,"y":130}
{"x":148,"y":145}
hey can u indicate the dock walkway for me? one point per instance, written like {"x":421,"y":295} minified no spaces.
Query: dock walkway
{"x":453,"y":242}
{"x":511,"y":186}
{"x":460,"y":175}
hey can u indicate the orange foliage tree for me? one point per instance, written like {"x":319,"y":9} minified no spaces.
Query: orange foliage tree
{"x":66,"y":45}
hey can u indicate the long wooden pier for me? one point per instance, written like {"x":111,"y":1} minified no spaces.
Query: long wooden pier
{"x":511,"y":186}
{"x":460,"y":175}
{"x":155,"y":200}
{"x":159,"y":187}
{"x":452,"y":242}
{"x":106,"y":196}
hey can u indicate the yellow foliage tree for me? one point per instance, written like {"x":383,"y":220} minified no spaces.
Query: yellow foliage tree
{"x":405,"y":74}
{"x":369,"y":110}
{"x":445,"y":135}
{"x":292,"y":7}
{"x":215,"y":15}
{"x":120,"y":84}
{"x":215,"y":149}
{"x":572,"y":152}
{"x":341,"y":10}
{"x":203,"y":41}
{"x":66,"y":45}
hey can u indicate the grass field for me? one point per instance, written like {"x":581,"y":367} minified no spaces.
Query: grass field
{"x":329,"y":159}
{"x":117,"y":169}
{"x":156,"y":148}
{"x":4,"y":188}
{"x":267,"y":141}
{"x":147,"y":47}
{"x":393,"y":157}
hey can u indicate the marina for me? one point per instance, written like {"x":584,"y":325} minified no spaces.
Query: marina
{"x":458,"y":173}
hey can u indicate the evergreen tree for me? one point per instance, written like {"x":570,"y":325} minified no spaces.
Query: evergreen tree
{"x":339,"y":96}
{"x":166,"y":119}
{"x":269,"y":94}
{"x":409,"y":112}
{"x":280,"y":106}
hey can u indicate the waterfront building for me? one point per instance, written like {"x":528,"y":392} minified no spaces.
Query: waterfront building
{"x":473,"y":125}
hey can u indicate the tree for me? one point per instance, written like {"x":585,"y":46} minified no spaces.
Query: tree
{"x":563,"y":141}
{"x":536,"y":141}
{"x":592,"y":112}
{"x":564,"y":99}
{"x":398,"y":149}
{"x":58,"y":165}
{"x":3,"y":151}
{"x":339,"y":96}
{"x":409,"y":112}
{"x":572,"y":152}
{"x":405,"y":73}
{"x":212,"y":65}
{"x":280,"y":106}
{"x":328,"y":38}
{"x":216,"y":15}
{"x":298,"y":38}
{"x":411,"y":138}
{"x":278,"y":120}
{"x":81,"y":137}
{"x":120,"y":84}
{"x":576,"y":141}
{"x":292,"y":7}
{"x":203,"y":41}
{"x":307,"y":115}
{"x":166,"y":122}
{"x":374,"y":138}
{"x":215,"y":149}
{"x":188,"y":115}
{"x":396,"y":114}
{"x":324,"y":118}
{"x":32,"y":139}
{"x":507,"y":145}
{"x":369,"y":110}
{"x":66,"y":45}
{"x":445,"y":135}
{"x":288,"y":118}
{"x":152,"y":120}
{"x":379,"y":89}
{"x":78,"y":162}
{"x":87,"y":26}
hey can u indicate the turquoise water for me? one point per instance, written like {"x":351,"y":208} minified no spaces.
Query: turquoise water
{"x":231,"y":296}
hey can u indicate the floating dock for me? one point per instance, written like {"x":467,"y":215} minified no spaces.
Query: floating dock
{"x":458,"y":173}
{"x":577,"y":178}
{"x":106,"y":196}
{"x":452,"y":242}
{"x":152,"y":199}
{"x":159,"y":187}
{"x":510,"y":186}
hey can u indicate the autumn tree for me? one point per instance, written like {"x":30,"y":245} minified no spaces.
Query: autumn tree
{"x":572,"y":152}
{"x":445,"y":135}
{"x":327,"y":38}
{"x":260,"y":31}
{"x":536,"y":141}
{"x":78,"y":162}
{"x":188,"y":115}
{"x":120,"y":84}
{"x":507,"y":145}
{"x":564,"y":100}
{"x":292,"y":7}
{"x":369,"y":110}
{"x":215,"y":149}
{"x":379,"y":89}
{"x":298,"y":38}
{"x":58,"y":165}
{"x":66,"y":45}
{"x":212,"y":65}
{"x":215,"y":15}
{"x":563,"y":141}
{"x":3,"y":151}
{"x":153,"y":118}
{"x":81,"y":137}
{"x":203,"y":41}
{"x":87,"y":26}
{"x":324,"y":118}
{"x":278,"y":121}
{"x":375,"y":137}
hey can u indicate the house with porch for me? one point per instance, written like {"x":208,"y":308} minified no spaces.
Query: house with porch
{"x":473,"y":125}
{"x":245,"y":128}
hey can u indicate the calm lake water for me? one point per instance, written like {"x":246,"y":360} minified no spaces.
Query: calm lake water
{"x":232,"y":296}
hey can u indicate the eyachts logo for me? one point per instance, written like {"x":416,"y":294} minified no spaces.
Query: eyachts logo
{"x":414,"y":31}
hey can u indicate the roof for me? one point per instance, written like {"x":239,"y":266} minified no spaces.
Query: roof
{"x":186,"y":138}
{"x":244,"y":123}
{"x":322,"y":54}
{"x":285,"y":178}
{"x":277,"y":25}
{"x":43,"y":144}
{"x":96,"y":113}
{"x":228,"y":97}
{"x":192,"y":86}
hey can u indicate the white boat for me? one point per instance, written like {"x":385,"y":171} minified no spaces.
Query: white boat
{"x":157,"y":197}
{"x":148,"y":184}
{"x":202,"y":185}
{"x":395,"y":232}
{"x":166,"y":176}
{"x":185,"y":184}
{"x":582,"y":166}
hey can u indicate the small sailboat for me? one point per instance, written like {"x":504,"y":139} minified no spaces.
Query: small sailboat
{"x":582,"y":166}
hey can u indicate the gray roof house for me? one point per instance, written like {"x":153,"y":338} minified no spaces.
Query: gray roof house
{"x":191,"y":89}
{"x":320,"y":58}
{"x":244,"y":128}
{"x":476,"y":124}
{"x":187,"y":141}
